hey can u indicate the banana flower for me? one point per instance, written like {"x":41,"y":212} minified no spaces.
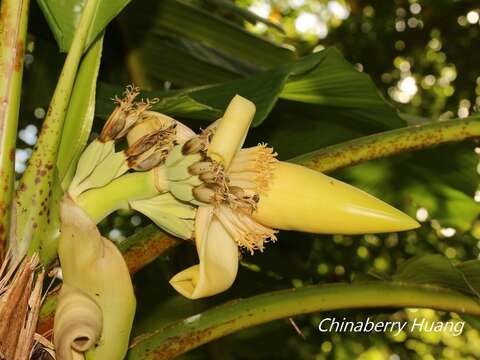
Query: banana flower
{"x":245,"y":195}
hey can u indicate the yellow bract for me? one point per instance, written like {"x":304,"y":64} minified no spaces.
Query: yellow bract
{"x":302,"y":199}
{"x":231,"y":131}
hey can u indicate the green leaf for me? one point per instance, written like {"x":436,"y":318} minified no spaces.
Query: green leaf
{"x":180,"y":18}
{"x":80,"y":114}
{"x":471,"y":274}
{"x":35,"y":189}
{"x":183,"y":62}
{"x":193,"y":105}
{"x":432,"y":269}
{"x":314,"y":76}
{"x":245,"y":14}
{"x":63,"y":17}
{"x":327,"y":79}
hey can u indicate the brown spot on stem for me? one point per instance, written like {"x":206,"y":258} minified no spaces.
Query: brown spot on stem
{"x":20,"y":49}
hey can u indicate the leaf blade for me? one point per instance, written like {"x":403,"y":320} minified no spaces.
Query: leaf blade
{"x":80,"y":114}
{"x":63,"y":17}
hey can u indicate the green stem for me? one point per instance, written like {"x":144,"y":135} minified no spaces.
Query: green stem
{"x":13,"y":32}
{"x":192,"y":332}
{"x":99,"y":203}
{"x":390,"y":143}
{"x":90,"y":355}
{"x":35,"y":186}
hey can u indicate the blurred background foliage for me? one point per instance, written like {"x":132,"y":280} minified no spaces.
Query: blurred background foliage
{"x":420,"y":54}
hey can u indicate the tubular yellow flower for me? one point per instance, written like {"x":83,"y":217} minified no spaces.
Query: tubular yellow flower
{"x":244,"y":194}
{"x":231,"y":130}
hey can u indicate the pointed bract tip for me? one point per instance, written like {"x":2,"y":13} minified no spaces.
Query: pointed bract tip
{"x":302,"y":199}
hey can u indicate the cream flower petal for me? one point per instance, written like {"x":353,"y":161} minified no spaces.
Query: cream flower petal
{"x":218,"y":255}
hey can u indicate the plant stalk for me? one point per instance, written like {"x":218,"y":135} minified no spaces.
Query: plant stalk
{"x":389,"y":143}
{"x":187,"y":334}
{"x":35,"y":186}
{"x":13,"y":32}
{"x":101,"y":202}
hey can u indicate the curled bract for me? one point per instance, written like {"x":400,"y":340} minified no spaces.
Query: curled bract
{"x":95,"y":266}
{"x":78,"y":323}
{"x":218,"y":254}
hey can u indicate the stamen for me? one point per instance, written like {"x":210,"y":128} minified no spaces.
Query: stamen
{"x":130,"y":93}
{"x":244,"y":230}
{"x":252,"y":167}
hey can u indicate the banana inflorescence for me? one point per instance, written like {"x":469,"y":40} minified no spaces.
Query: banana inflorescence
{"x":204,"y":187}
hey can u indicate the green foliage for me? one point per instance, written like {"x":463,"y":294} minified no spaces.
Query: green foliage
{"x":323,"y":78}
{"x":80,"y":114}
{"x":437,"y":270}
{"x":63,"y":17}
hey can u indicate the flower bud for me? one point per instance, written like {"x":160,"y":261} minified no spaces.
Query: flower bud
{"x":207,"y":193}
{"x":201,"y":167}
{"x":305,"y":200}
{"x":194,"y":145}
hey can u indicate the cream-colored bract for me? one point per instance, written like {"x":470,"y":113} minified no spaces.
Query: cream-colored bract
{"x":218,"y":255}
{"x":94,"y":266}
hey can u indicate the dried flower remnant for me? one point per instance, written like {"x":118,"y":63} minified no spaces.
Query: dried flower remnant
{"x":124,"y":115}
{"x":20,"y":301}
